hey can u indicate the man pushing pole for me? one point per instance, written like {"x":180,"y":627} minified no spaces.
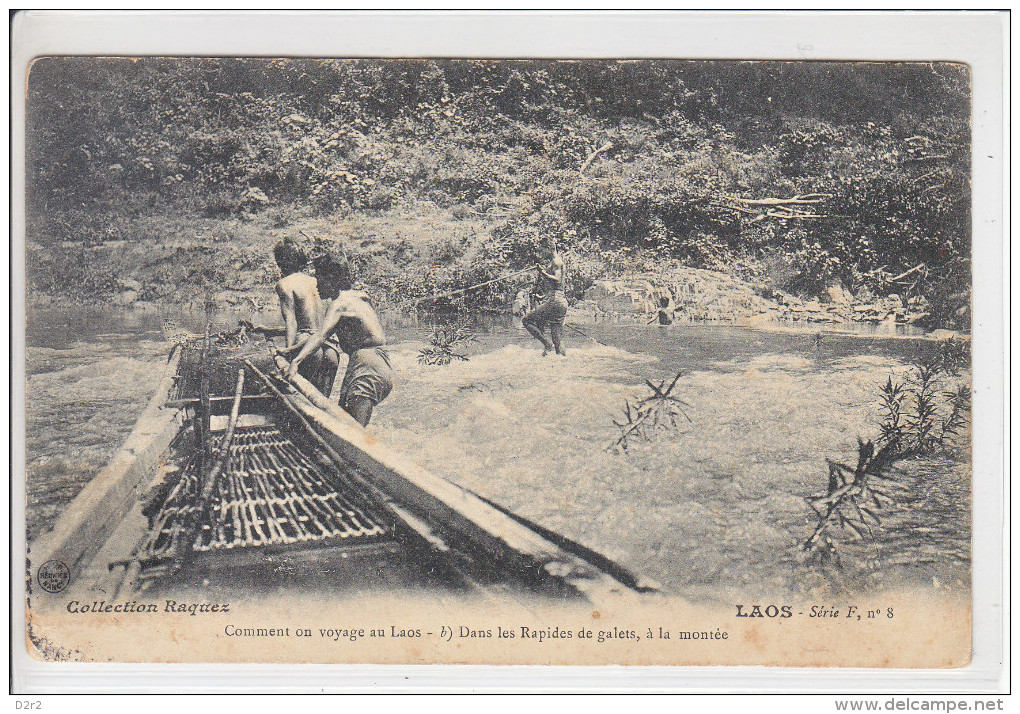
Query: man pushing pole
{"x":551,"y":281}
{"x":352,"y":320}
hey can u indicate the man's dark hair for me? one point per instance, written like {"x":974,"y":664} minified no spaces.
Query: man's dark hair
{"x":333,"y":275}
{"x":289,"y":256}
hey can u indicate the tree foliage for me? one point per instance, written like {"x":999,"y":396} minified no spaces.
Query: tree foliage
{"x":887,"y":143}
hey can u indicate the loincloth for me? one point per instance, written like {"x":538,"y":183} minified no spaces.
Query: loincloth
{"x":369,"y":375}
{"x":552,"y":311}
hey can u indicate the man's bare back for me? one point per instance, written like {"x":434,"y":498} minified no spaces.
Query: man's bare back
{"x":354,"y":323}
{"x":300,"y":304}
{"x":356,"y":327}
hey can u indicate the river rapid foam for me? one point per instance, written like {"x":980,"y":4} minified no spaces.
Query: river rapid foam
{"x":714,"y":507}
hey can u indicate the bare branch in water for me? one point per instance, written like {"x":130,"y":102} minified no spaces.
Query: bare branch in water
{"x":659,"y":410}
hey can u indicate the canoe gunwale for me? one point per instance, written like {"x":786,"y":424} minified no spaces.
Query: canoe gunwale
{"x":90,"y":519}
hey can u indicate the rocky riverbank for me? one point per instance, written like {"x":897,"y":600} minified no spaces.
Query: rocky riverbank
{"x":696,"y":295}
{"x":226,"y":264}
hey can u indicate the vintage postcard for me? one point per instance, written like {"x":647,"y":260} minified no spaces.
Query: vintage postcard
{"x":578,"y":361}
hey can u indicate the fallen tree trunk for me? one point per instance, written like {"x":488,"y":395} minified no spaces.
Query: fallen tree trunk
{"x":905,"y":274}
{"x":803,"y":198}
{"x":782,"y":208}
{"x":591,"y":157}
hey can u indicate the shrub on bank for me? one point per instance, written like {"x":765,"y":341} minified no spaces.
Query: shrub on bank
{"x":671,"y":152}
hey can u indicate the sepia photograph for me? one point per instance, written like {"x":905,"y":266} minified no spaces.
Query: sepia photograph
{"x":499,"y":361}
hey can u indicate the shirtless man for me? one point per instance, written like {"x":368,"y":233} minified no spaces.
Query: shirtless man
{"x":552,"y":279}
{"x":665,"y":312}
{"x":352,"y":321}
{"x":302,"y":312}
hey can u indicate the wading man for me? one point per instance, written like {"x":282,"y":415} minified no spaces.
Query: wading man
{"x":301,"y":306}
{"x":551,"y":282}
{"x":353,"y":322}
{"x":665,"y":312}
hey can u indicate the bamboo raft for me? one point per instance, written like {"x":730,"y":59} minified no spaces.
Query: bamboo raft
{"x":234,"y":475}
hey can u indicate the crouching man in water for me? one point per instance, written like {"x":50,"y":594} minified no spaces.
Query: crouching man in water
{"x":552,"y":279}
{"x":301,"y":306}
{"x":352,"y":321}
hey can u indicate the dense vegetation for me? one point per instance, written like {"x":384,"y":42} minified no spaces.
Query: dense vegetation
{"x":491,"y":153}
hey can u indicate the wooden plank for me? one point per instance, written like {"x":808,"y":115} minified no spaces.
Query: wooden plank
{"x":90,"y":519}
{"x":219,"y":423}
{"x":248,"y":400}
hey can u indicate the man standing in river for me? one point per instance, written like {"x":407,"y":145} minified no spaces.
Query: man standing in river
{"x":301,"y":307}
{"x":551,"y":281}
{"x":354,"y":324}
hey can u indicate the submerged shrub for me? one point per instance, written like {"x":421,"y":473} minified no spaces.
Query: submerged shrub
{"x":920,"y":416}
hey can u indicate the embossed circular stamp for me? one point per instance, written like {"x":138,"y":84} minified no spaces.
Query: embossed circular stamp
{"x":53,"y":576}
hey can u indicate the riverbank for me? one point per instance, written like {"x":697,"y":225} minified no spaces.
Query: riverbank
{"x":693,"y":295}
{"x":153,"y":263}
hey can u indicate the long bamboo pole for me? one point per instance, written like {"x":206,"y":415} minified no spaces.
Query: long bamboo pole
{"x":228,"y":436}
{"x":464,"y":290}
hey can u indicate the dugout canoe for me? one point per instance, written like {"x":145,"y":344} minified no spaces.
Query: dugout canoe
{"x":299,"y":493}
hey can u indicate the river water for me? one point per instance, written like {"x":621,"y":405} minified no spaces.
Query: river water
{"x":712,"y":509}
